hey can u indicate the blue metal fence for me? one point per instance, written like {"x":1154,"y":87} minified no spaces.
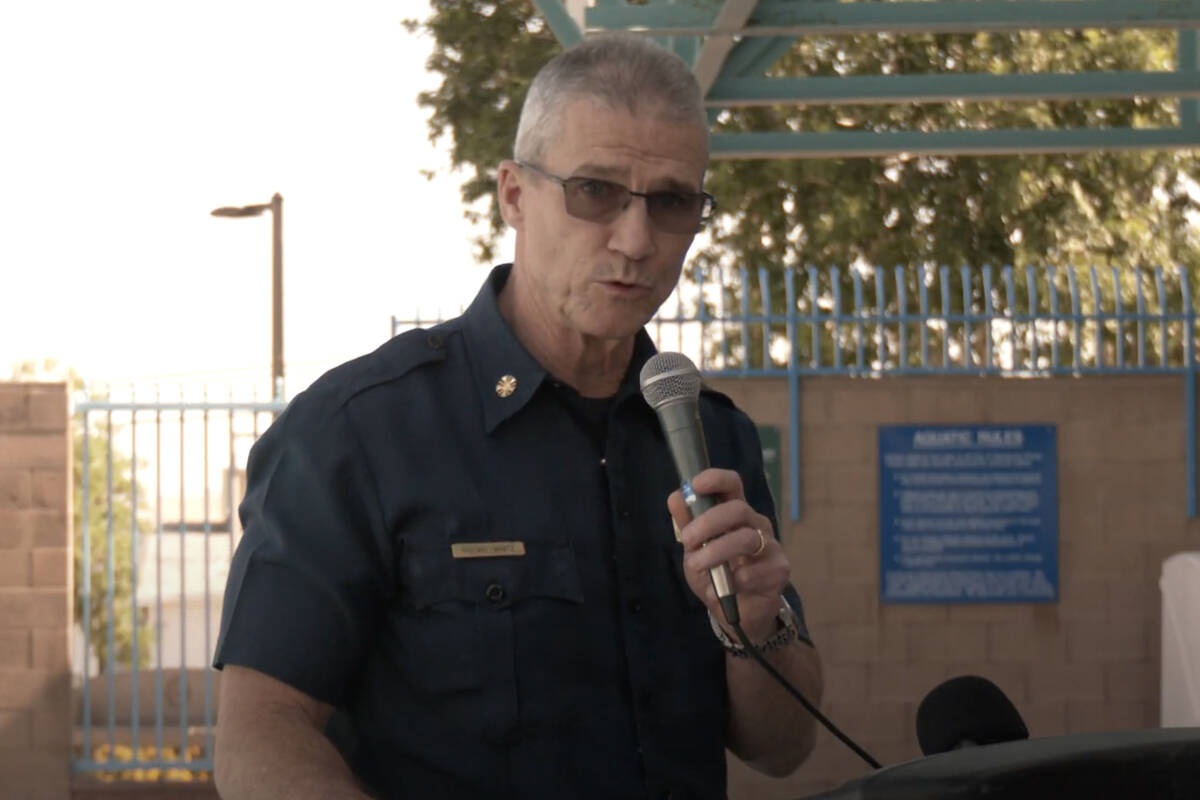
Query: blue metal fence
{"x":152,"y":454}
{"x":875,"y":322}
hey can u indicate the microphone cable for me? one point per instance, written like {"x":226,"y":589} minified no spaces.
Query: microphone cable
{"x":796,"y":693}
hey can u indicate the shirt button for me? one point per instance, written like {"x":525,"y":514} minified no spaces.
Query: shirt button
{"x":435,"y":341}
{"x":603,"y":461}
{"x":624,"y":513}
{"x":635,"y":605}
{"x":495,"y":592}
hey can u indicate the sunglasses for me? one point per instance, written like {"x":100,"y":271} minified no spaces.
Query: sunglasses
{"x":596,"y":200}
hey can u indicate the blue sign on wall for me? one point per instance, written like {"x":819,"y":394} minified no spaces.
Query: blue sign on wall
{"x":968,"y":514}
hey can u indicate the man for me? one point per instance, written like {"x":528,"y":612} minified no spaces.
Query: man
{"x":458,"y":576}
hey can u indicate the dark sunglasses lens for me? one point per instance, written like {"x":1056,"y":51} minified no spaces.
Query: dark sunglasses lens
{"x":676,"y":212}
{"x":591,"y":199}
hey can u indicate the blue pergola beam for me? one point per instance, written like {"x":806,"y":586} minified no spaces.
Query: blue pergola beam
{"x":783,"y":18}
{"x":560,"y":22}
{"x":859,"y":144}
{"x":873,"y":90}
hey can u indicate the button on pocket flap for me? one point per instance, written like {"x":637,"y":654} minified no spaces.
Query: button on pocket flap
{"x":544,"y":570}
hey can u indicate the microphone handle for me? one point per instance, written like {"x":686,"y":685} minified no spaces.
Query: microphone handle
{"x":685,"y":437}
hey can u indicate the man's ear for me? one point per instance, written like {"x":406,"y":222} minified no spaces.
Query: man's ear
{"x":510,"y":194}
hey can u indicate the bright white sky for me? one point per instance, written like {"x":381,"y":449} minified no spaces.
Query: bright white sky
{"x":123,"y":123}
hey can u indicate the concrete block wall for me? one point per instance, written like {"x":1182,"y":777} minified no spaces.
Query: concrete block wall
{"x":1089,"y":662}
{"x":35,"y":592}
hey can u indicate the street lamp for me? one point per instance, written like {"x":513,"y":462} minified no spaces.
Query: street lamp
{"x":276,"y":209}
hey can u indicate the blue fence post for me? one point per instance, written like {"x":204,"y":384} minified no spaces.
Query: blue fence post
{"x":793,"y":394}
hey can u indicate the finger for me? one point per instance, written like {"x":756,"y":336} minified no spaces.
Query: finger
{"x":723,"y":483}
{"x":679,"y":510}
{"x":717,"y":521}
{"x":732,"y":545}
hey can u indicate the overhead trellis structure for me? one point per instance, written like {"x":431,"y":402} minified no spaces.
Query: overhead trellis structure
{"x":732,"y":44}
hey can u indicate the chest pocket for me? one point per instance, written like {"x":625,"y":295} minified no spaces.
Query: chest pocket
{"x":456,"y":620}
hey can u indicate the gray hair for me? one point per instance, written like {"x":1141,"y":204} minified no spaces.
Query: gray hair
{"x":620,"y":70}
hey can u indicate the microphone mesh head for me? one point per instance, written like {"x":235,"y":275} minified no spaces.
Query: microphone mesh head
{"x":668,"y":378}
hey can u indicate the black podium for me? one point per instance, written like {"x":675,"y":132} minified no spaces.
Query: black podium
{"x":1157,"y":764}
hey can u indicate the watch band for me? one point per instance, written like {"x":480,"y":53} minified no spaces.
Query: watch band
{"x":788,"y":631}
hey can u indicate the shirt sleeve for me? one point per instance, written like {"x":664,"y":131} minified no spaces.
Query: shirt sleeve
{"x":311,"y":573}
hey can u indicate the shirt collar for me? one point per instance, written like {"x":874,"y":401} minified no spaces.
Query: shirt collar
{"x":506,"y":375}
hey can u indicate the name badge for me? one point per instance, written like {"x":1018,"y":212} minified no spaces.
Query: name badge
{"x":487,"y":549}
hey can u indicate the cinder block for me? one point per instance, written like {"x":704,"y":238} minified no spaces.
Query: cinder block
{"x":1085,"y":717}
{"x":14,"y":408}
{"x":50,"y":488}
{"x":1137,"y":521}
{"x":1134,"y":600}
{"x":841,"y":602}
{"x":858,"y":563}
{"x":15,"y":607}
{"x":1093,"y":560}
{"x":848,"y":682}
{"x":868,"y":404}
{"x":25,"y":688}
{"x":1082,"y":598}
{"x":15,"y":649}
{"x":1099,"y":642}
{"x":1026,"y":643}
{"x":50,"y":567}
{"x":854,"y":524}
{"x":16,"y":529}
{"x":15,"y":489}
{"x":35,"y":774}
{"x":1024,"y":402}
{"x":51,"y":650}
{"x":991,"y":612}
{"x":814,"y":485}
{"x":947,"y":642}
{"x":48,"y":409}
{"x":52,"y":726}
{"x":903,"y":682}
{"x":1062,"y":682}
{"x":838,"y":444}
{"x":853,"y":644}
{"x":14,"y":570}
{"x":894,"y":613}
{"x":1045,"y":718}
{"x":1160,"y":440}
{"x":49,"y":608}
{"x":815,"y":401}
{"x":893,"y":645}
{"x":890,"y":721}
{"x":1136,"y":682}
{"x":33,"y":450}
{"x":853,"y":484}
{"x":15,"y":729}
{"x":1080,"y":442}
{"x":49,"y":527}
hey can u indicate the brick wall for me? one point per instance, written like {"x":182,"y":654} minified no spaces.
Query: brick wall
{"x":35,"y":557}
{"x":1087,"y":663}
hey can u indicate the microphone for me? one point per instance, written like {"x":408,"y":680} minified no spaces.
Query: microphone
{"x":966,"y":712}
{"x":671,"y":385}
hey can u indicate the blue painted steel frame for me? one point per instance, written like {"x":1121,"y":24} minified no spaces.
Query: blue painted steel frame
{"x":1037,"y":333}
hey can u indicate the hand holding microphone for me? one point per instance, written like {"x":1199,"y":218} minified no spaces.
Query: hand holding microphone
{"x":731,"y":558}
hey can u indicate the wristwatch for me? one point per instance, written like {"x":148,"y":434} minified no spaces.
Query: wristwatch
{"x":789,"y":629}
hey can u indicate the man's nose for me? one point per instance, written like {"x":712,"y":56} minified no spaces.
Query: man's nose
{"x":633,"y":230}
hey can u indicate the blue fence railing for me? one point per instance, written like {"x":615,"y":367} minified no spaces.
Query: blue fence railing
{"x":157,"y":482}
{"x":876,"y":322}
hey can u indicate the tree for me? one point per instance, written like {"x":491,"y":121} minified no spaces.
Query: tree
{"x":100,"y":504}
{"x":1131,"y":210}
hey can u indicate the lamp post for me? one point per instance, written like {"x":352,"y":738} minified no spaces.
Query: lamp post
{"x":276,"y":209}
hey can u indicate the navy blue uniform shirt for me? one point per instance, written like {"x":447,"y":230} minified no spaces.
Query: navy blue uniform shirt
{"x":477,"y":568}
